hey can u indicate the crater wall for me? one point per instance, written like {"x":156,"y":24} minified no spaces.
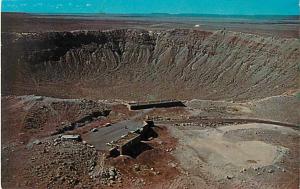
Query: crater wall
{"x":146,"y":65}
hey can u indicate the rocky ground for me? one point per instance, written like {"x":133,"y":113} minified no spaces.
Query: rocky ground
{"x":35,"y":155}
{"x":239,"y":127}
{"x":187,"y":152}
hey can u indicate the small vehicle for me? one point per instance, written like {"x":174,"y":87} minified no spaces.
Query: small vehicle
{"x":107,"y":124}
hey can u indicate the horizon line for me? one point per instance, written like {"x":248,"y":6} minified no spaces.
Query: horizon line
{"x":154,"y":13}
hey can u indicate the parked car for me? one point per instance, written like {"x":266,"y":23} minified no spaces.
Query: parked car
{"x":107,"y":124}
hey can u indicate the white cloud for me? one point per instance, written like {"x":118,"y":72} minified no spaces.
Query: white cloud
{"x":88,"y":5}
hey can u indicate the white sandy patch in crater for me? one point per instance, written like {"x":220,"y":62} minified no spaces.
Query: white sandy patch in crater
{"x":211,"y":149}
{"x":243,"y":154}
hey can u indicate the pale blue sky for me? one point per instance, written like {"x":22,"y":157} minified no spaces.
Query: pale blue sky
{"x":228,"y":7}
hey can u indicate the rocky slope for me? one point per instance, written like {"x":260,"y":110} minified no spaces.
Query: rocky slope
{"x":138,"y":64}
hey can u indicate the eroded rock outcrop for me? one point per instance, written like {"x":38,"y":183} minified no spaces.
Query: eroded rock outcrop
{"x":136,"y":64}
